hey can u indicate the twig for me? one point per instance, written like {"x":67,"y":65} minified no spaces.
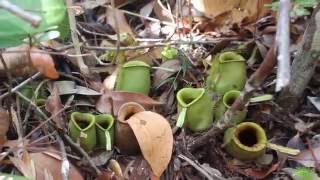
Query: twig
{"x":72,"y":21}
{"x":283,"y":41}
{"x":65,"y":166}
{"x":21,"y":85}
{"x":33,"y":19}
{"x":252,"y":84}
{"x":200,"y":169}
{"x":145,"y":17}
{"x":160,"y":44}
{"x":117,"y":31}
{"x":77,"y":146}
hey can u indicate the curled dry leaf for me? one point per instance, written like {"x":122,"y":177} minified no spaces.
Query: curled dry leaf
{"x":17,"y":61}
{"x":154,"y":135}
{"x":167,"y":69}
{"x":115,"y":99}
{"x":4,"y":125}
{"x":54,"y":105}
{"x":110,"y":81}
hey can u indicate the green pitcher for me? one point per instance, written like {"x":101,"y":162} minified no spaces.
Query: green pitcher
{"x":134,"y":76}
{"x":246,"y":141}
{"x":195,"y":109}
{"x":225,"y":103}
{"x":82,"y":128}
{"x":228,"y":72}
{"x":105,"y":131}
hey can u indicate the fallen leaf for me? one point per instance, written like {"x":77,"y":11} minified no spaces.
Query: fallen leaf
{"x":4,"y":125}
{"x":115,"y":167}
{"x":44,"y":63}
{"x":213,"y":8}
{"x":43,"y":161}
{"x":315,"y":101}
{"x":306,"y":158}
{"x":115,"y":99}
{"x":120,"y":19}
{"x":165,"y":70}
{"x":146,"y":10}
{"x":70,"y":87}
{"x":154,"y":135}
{"x":107,"y":175}
{"x":54,"y":105}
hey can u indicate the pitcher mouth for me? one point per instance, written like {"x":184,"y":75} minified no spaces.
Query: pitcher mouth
{"x":188,"y":96}
{"x":250,"y":137}
{"x":82,"y":117}
{"x":230,"y":57}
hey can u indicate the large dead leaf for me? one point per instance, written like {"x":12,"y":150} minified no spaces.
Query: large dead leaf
{"x":155,"y":139}
{"x":54,"y":105}
{"x":162,"y":13}
{"x":17,"y":61}
{"x":167,"y":69}
{"x":4,"y":125}
{"x":115,"y":99}
{"x":51,"y":162}
{"x":231,"y":11}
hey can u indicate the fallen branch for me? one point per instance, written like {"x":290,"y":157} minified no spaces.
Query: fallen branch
{"x":252,"y":84}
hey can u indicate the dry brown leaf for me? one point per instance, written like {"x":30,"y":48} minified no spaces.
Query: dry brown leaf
{"x":214,"y":8}
{"x":115,"y":99}
{"x":162,"y":13}
{"x":155,"y":139}
{"x":160,"y":74}
{"x":121,"y":20}
{"x":44,"y":64}
{"x":4,"y":125}
{"x":52,"y":163}
{"x":54,"y":105}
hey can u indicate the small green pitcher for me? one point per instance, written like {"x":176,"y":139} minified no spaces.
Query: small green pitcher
{"x":105,"y":131}
{"x":82,"y":128}
{"x":228,"y":72}
{"x":134,"y":76}
{"x":195,"y":109}
{"x":225,"y":103}
{"x":246,"y":141}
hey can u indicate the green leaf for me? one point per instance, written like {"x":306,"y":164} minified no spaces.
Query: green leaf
{"x":13,"y":29}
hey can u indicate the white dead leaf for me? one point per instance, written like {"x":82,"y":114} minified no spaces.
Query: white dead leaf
{"x":110,"y":81}
{"x":315,"y":101}
{"x":147,"y":9}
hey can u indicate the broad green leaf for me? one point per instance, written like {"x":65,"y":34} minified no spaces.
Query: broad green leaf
{"x":13,"y":29}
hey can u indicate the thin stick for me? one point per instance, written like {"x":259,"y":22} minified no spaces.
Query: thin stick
{"x":85,"y":154}
{"x":283,"y":41}
{"x":65,"y":165}
{"x":21,"y":85}
{"x":117,"y":30}
{"x":72,"y":21}
{"x":200,"y":169}
{"x":33,"y":19}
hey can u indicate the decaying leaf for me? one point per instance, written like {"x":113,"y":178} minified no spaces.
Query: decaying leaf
{"x":17,"y":61}
{"x":70,"y":87}
{"x":167,"y":69}
{"x":110,"y":81}
{"x":51,"y":162}
{"x":54,"y":105}
{"x":115,"y":99}
{"x":4,"y":125}
{"x":162,"y":13}
{"x":154,"y":135}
